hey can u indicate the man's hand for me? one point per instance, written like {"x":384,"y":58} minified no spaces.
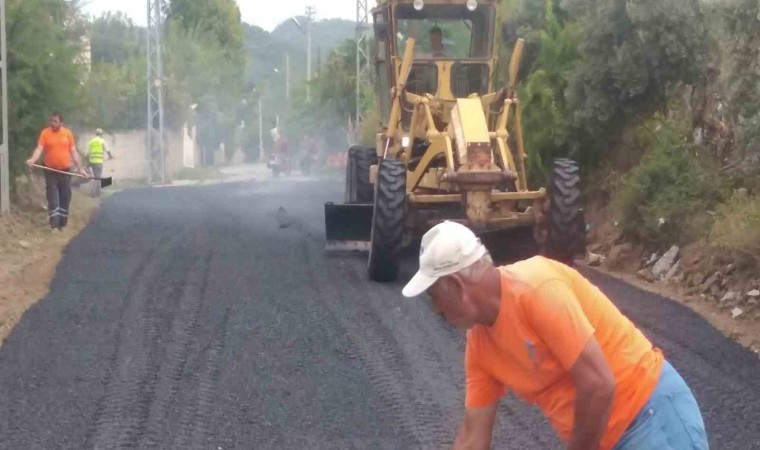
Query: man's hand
{"x":35,"y":156}
{"x":78,"y":161}
{"x":477,"y":428}
{"x":595,"y":390}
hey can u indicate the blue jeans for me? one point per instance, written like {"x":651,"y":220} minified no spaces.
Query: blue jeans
{"x":670,"y":419}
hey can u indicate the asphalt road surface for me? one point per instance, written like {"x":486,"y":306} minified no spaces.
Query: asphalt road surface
{"x":189,"y":318}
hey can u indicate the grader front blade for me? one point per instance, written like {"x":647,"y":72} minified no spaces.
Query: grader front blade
{"x":348,"y":227}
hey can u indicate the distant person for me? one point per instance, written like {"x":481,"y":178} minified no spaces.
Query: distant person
{"x":436,"y":43}
{"x":59,"y":148}
{"x":309,"y":157}
{"x":281,"y":151}
{"x":541,"y":330}
{"x":96,"y":149}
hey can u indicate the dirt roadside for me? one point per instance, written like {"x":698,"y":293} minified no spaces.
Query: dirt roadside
{"x":698,"y":277}
{"x":29,"y":254}
{"x":744,"y":331}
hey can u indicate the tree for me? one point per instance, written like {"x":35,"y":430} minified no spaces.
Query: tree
{"x":44,"y":50}
{"x":634,"y":55}
{"x":219,"y":20}
{"x":542,"y":93}
{"x":115,"y":39}
{"x":206,"y":63}
{"x":742,"y":45}
{"x":117,"y":86}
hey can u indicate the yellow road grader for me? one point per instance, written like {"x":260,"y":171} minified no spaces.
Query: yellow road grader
{"x":450,"y":145}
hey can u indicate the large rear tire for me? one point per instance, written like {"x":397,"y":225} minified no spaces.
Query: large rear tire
{"x":566,"y":224}
{"x":388,"y":221}
{"x":359,"y":189}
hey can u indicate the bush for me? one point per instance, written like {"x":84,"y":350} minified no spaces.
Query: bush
{"x":667,"y":197}
{"x":737,"y":226}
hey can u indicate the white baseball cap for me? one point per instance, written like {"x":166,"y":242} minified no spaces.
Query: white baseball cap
{"x":446,"y":249}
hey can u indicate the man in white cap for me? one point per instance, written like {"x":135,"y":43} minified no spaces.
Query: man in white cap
{"x":541,"y":330}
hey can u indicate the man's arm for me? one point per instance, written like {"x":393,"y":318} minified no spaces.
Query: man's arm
{"x":476,"y":429}
{"x":595,"y":390}
{"x":35,"y":156}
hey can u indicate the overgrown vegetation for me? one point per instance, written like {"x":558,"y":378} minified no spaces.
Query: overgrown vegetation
{"x":667,"y":197}
{"x":663,"y":95}
{"x":737,"y":225}
{"x":44,"y":48}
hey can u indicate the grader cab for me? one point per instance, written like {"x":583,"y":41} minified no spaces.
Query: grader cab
{"x":450,"y":145}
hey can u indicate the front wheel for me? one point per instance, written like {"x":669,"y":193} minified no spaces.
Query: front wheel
{"x":566,"y":223}
{"x":388,"y":221}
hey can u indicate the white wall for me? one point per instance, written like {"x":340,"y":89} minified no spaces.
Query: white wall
{"x":130,"y":158}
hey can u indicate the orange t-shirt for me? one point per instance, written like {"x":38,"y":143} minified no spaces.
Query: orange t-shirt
{"x":57,"y":146}
{"x":548,"y":313}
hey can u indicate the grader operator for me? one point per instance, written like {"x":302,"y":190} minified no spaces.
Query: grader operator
{"x":450,"y":144}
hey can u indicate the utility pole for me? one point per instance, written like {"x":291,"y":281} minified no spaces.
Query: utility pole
{"x":287,"y":77}
{"x":363,"y":79}
{"x":156,"y":156}
{"x":262,"y":155}
{"x":311,"y":13}
{"x":5,"y":200}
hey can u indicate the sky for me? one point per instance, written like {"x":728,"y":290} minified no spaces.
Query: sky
{"x":266,"y":14}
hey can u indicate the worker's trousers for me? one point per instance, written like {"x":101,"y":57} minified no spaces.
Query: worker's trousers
{"x":58,"y":190}
{"x":671,"y":419}
{"x":97,"y":172}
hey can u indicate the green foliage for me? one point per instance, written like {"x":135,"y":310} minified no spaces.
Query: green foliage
{"x":219,"y":20}
{"x":742,"y":25}
{"x":44,"y":39}
{"x":737,"y":225}
{"x":206,"y":65}
{"x":665,"y":199}
{"x":114,"y":39}
{"x":545,"y":114}
{"x":117,"y":95}
{"x":117,"y":84}
{"x":739,"y":86}
{"x":633,"y":55}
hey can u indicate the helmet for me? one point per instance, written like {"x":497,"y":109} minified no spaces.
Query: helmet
{"x":99,"y":132}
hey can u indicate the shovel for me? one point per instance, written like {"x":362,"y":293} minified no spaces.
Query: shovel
{"x":104,"y":182}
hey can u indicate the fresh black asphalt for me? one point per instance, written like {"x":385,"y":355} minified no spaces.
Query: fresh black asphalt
{"x":207,"y":317}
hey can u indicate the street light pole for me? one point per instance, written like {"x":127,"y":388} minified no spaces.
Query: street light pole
{"x":311,"y":13}
{"x":5,"y":201}
{"x":262,"y":156}
{"x":287,"y":77}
